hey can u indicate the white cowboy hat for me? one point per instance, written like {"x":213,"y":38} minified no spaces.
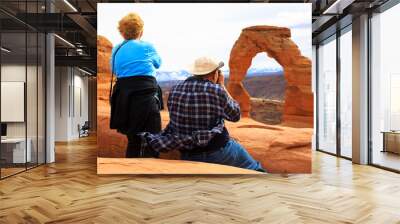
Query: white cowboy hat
{"x":204,"y":65}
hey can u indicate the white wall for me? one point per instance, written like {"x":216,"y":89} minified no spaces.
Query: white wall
{"x":33,"y":127}
{"x":62,"y":82}
{"x":92,"y":98}
{"x":12,"y":73}
{"x":81,"y":83}
{"x":71,"y":102}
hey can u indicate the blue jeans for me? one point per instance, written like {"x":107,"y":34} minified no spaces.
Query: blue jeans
{"x":233,"y":154}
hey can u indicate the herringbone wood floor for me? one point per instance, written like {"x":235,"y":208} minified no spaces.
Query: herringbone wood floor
{"x":69,"y":191}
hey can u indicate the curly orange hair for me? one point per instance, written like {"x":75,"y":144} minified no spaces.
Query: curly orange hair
{"x":130,"y":26}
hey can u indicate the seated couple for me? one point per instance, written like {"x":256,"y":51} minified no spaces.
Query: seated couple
{"x":197,"y":106}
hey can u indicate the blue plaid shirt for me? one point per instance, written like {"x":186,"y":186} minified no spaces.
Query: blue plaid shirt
{"x":197,"y":109}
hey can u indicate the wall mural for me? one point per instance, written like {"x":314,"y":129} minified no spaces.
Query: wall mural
{"x":267,"y":71}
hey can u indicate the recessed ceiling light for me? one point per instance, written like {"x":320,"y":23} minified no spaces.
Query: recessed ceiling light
{"x":64,"y":40}
{"x":70,"y":5}
{"x":338,"y":6}
{"x":84,"y":71}
{"x":5,"y":50}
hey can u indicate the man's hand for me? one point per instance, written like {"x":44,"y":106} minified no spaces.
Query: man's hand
{"x":221,"y":81}
{"x":221,"y":78}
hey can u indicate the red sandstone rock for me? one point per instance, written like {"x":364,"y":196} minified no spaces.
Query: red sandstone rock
{"x":280,"y":149}
{"x":276,"y":42}
{"x":104,"y":48}
{"x":109,"y":142}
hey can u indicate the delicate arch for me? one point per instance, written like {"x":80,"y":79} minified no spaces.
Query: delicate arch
{"x":276,"y":42}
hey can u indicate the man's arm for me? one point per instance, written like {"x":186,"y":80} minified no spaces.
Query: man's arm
{"x":231,"y":108}
{"x":165,"y":141}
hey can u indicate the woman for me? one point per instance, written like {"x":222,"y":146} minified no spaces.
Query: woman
{"x":136,"y":98}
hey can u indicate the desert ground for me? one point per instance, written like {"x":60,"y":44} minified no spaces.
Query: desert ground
{"x":280,"y":149}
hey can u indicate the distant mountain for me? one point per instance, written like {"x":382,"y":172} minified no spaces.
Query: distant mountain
{"x":270,"y":87}
{"x":163,"y":76}
{"x":264,"y":72}
{"x":264,"y":85}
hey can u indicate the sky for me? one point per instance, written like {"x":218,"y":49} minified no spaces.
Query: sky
{"x":184,"y":32}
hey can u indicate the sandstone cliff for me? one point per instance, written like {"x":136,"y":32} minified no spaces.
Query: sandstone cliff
{"x":109,"y":142}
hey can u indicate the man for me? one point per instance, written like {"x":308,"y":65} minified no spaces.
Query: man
{"x":198,"y":107}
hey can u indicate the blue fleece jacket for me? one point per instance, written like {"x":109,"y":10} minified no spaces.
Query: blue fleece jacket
{"x":135,"y":58}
